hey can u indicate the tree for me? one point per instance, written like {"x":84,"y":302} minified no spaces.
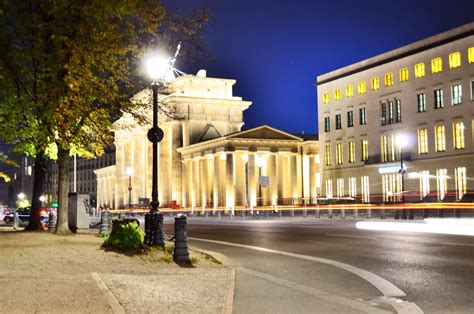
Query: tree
{"x":71,"y":68}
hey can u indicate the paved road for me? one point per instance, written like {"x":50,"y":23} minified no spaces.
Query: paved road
{"x":435,"y":271}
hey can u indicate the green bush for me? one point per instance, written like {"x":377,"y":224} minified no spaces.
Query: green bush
{"x":127,"y":237}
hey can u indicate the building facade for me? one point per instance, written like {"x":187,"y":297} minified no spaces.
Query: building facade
{"x":399,"y":126}
{"x":201,"y":130}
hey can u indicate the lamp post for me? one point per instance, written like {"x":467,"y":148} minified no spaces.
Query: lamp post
{"x":129,"y":173}
{"x":159,"y":70}
{"x":402,"y":142}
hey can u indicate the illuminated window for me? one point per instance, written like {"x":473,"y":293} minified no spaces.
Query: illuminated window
{"x":329,"y":188}
{"x":326,"y":98}
{"x":389,"y":79}
{"x":424,"y":183}
{"x":458,"y":135}
{"x":404,"y":75}
{"x":338,"y":121}
{"x":364,"y":148}
{"x":374,"y":83}
{"x":456,"y":94}
{"x":419,"y":70}
{"x":340,"y":187}
{"x":364,"y":185}
{"x":350,"y":119}
{"x":470,"y":55}
{"x":339,"y":154}
{"x":362,"y":116}
{"x":454,"y":60}
{"x":349,"y":91}
{"x":440,"y":138}
{"x":421,"y":100}
{"x":422,"y":141}
{"x":436,"y":65}
{"x":441,"y":183}
{"x":438,"y":99}
{"x":388,"y":150}
{"x":361,"y":87}
{"x":337,"y":94}
{"x":383,"y":113}
{"x":398,"y":111}
{"x":351,"y":147}
{"x":327,"y":124}
{"x":327,"y":155}
{"x":460,"y":181}
{"x":352,"y":187}
{"x":391,"y":117}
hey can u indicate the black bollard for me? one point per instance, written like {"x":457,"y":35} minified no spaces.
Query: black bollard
{"x":181,"y":254}
{"x":157,"y":228}
{"x":148,"y":229}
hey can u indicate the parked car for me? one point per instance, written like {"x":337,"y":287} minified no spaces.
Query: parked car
{"x":24,"y":216}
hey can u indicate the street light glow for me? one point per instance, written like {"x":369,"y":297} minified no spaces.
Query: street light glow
{"x":402,"y":140}
{"x":158,"y":68}
{"x":42,"y":198}
{"x":21,"y":195}
{"x":129,"y":171}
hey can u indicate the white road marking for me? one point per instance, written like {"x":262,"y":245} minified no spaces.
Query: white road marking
{"x":350,"y":236}
{"x":458,"y":244}
{"x":387,"y":288}
{"x":314,"y":292}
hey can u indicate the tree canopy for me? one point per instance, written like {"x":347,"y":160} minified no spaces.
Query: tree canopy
{"x":68,"y":69}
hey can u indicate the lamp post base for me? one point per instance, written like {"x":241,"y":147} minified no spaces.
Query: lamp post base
{"x":154,"y":229}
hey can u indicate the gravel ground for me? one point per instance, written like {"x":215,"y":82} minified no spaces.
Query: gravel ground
{"x":41,"y":272}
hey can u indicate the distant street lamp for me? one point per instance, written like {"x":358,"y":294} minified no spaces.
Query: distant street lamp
{"x":130,"y":174}
{"x":21,"y":196}
{"x":160,"y":71}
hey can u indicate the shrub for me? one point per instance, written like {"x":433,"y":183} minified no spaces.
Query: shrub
{"x":127,"y":237}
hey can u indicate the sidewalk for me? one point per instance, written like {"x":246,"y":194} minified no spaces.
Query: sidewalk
{"x":47,"y":273}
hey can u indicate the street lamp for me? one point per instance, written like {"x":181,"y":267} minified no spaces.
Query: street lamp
{"x":402,"y":142}
{"x":160,"y":71}
{"x":129,"y":171}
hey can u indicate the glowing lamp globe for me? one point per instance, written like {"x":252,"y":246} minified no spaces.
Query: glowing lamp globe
{"x":157,"y":67}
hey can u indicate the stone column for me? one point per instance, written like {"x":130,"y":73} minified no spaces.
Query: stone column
{"x":252,"y":179}
{"x":239,"y":179}
{"x":293,"y":178}
{"x":229,"y":183}
{"x":217,"y":181}
{"x":272,"y":173}
{"x":185,"y":188}
{"x":203,"y":181}
{"x":175,"y":137}
{"x":196,"y":185}
{"x":192,"y":192}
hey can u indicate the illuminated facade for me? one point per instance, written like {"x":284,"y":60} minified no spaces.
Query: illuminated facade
{"x":205,"y":161}
{"x":423,"y":91}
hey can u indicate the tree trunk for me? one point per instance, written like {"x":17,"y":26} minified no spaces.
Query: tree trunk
{"x":62,"y":226}
{"x":38,"y":189}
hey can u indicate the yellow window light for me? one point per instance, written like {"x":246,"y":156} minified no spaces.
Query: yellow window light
{"x":419,"y":70}
{"x":436,"y":65}
{"x":454,"y":60}
{"x":326,"y":98}
{"x":349,"y":90}
{"x":389,"y":79}
{"x":404,"y":75}
{"x":361,"y":88}
{"x":470,"y":55}
{"x":337,"y":94}
{"x":374,"y":83}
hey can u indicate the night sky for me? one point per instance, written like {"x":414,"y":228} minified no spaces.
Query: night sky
{"x":275,"y":48}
